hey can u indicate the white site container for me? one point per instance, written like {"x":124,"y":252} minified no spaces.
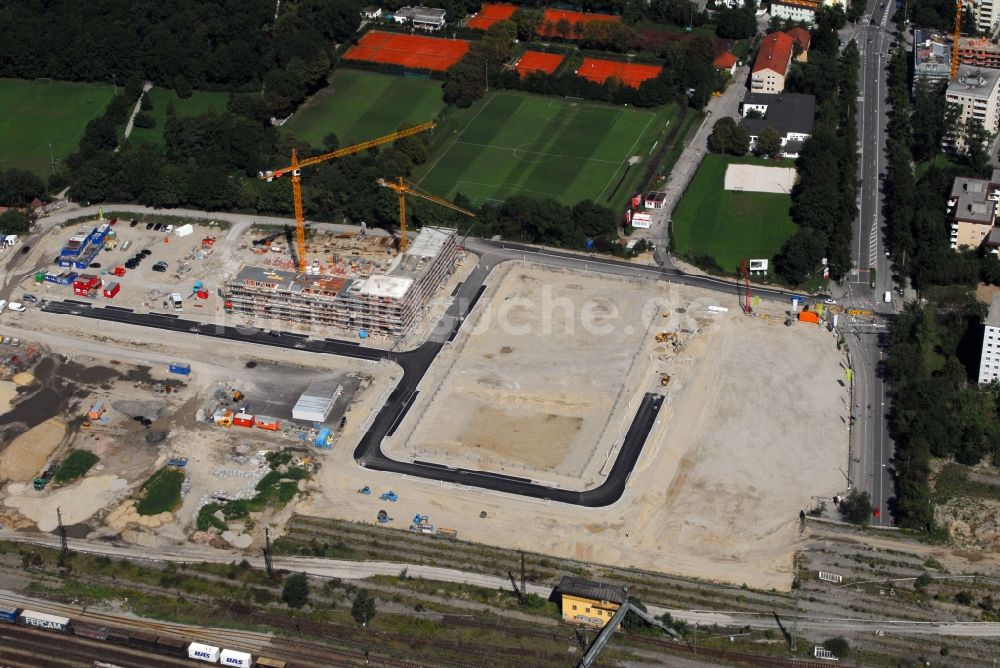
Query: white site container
{"x":205,"y":653}
{"x":231,"y":657}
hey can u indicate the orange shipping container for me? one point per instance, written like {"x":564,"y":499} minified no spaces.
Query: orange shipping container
{"x":809,"y":316}
{"x":269,"y":423}
{"x":243,"y":420}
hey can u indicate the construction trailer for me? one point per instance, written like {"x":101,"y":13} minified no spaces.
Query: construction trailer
{"x":385,"y":303}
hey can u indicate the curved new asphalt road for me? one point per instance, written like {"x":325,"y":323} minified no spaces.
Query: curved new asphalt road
{"x":416,"y":362}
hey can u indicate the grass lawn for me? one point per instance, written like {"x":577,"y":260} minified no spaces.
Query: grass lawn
{"x":358,"y":105}
{"x":76,"y":464}
{"x":199,"y":103}
{"x":37,"y":114}
{"x":728,"y":225}
{"x":161,"y":493}
{"x":522,"y":144}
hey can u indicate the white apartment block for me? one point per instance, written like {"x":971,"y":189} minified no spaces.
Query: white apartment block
{"x":976,"y":90}
{"x":989,"y":364}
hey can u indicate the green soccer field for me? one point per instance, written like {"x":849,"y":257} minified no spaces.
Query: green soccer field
{"x":358,"y":105}
{"x":199,"y":103}
{"x":39,"y":114}
{"x":726,"y":225}
{"x":521,"y":144}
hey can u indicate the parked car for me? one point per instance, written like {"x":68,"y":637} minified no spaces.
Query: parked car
{"x":160,"y":266}
{"x":30,"y":298}
{"x":25,"y":249}
{"x":145,"y":252}
{"x":169,"y":229}
{"x":157,"y":227}
{"x":16,"y":306}
{"x":149,"y":226}
{"x":130,"y":264}
{"x":3,"y":304}
{"x":133,"y":223}
{"x":95,"y":265}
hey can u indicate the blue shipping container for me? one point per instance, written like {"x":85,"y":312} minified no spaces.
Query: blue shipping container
{"x":9,"y":614}
{"x":182,"y":369}
{"x":324,"y":436}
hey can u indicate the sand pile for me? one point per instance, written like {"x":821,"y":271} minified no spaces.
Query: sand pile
{"x":8,"y":391}
{"x":23,"y":378}
{"x":26,"y":455}
{"x":126,"y":514}
{"x":79,"y":502}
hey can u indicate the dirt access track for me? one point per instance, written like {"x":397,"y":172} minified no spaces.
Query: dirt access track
{"x":750,"y":431}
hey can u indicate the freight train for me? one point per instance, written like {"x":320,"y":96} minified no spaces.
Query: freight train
{"x":134,"y":638}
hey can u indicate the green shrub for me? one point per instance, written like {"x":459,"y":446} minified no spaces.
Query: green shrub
{"x":76,"y":465}
{"x":161,"y":493}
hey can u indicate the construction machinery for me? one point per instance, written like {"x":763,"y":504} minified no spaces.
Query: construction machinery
{"x":404,"y":188}
{"x":958,"y":34}
{"x":663,"y":337}
{"x":295,"y":169}
{"x":664,"y":379}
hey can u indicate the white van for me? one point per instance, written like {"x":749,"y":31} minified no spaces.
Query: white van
{"x":887,"y":297}
{"x":178,"y":303}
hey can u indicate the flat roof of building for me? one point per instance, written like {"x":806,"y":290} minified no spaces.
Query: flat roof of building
{"x":974,"y":81}
{"x":278,"y":279}
{"x":430,"y":241}
{"x":993,"y":317}
{"x":975,"y":210}
{"x":420,"y":13}
{"x":590,"y":589}
{"x":393,"y":287}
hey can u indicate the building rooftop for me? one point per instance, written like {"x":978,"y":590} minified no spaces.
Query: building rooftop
{"x":277,"y":279}
{"x":595,"y":591}
{"x":775,"y":53}
{"x":724,"y":61}
{"x":428,"y":14}
{"x":974,"y":82}
{"x":963,"y":185}
{"x":973,"y":209}
{"x":800,"y":35}
{"x":392,"y":287}
{"x":993,"y":317}
{"x":786,"y":112}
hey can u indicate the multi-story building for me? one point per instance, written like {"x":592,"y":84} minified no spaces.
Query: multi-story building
{"x":987,"y":13}
{"x":588,"y":602}
{"x":931,"y":57}
{"x":989,"y":361}
{"x":790,"y":114}
{"x":796,"y":10}
{"x":976,"y":91}
{"x":380,"y":303}
{"x":979,"y":52}
{"x":771,"y":65}
{"x":972,"y":210}
{"x":428,"y":18}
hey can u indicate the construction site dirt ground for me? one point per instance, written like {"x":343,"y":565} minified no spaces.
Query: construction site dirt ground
{"x":82,"y":364}
{"x":751,"y":430}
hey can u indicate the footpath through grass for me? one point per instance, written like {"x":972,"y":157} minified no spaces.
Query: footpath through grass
{"x":199,"y":103}
{"x":37,"y":114}
{"x":568,"y":150}
{"x":729,"y":226}
{"x":358,"y":105}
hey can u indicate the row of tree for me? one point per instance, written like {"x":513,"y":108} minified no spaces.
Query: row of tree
{"x":824,"y":197}
{"x":204,"y":44}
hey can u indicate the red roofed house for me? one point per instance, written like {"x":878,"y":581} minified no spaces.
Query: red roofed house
{"x":772,"y":63}
{"x":725,"y":61}
{"x":802,"y":39}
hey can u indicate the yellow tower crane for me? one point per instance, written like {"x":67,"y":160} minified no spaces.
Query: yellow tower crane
{"x":958,"y":35}
{"x":404,"y":188}
{"x":296,"y":170}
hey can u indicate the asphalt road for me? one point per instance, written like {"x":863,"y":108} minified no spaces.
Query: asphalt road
{"x":872,"y":447}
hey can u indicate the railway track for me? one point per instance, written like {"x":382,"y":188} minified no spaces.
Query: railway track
{"x":31,"y":648}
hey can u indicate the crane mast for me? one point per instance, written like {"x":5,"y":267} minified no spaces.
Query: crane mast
{"x":404,"y":188}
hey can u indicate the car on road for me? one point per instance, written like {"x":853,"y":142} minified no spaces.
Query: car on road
{"x":881,"y":176}
{"x":887,"y":297}
{"x":25,"y":249}
{"x":16,"y":307}
{"x":30,"y":298}
{"x":830,"y":300}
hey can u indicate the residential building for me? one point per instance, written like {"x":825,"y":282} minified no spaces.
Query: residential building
{"x":385,"y":304}
{"x":726,"y":62}
{"x":989,"y":361}
{"x":588,"y":602}
{"x":771,"y":65}
{"x":976,"y":90}
{"x":428,"y":18}
{"x":979,"y":51}
{"x":797,"y":10}
{"x":931,"y":56}
{"x":371,"y":12}
{"x":972,"y":210}
{"x":802,"y":40}
{"x":987,"y":13}
{"x":790,"y":114}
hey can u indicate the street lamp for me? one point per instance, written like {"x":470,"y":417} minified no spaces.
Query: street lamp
{"x":114,"y":81}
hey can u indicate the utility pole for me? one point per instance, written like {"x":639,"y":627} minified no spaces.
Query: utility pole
{"x":268,"y":564}
{"x":52,"y":161}
{"x":524,"y":584}
{"x":64,"y":554}
{"x":115,"y":82}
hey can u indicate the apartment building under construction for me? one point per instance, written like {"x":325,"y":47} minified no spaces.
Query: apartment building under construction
{"x":386,"y":303}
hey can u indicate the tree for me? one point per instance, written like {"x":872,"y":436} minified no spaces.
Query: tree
{"x":363,"y":607}
{"x":146,"y":102}
{"x":769,"y":142}
{"x":295,"y":593}
{"x":857,"y":507}
{"x":14,"y":222}
{"x":182,"y":87}
{"x":977,"y":146}
{"x":721,"y":138}
{"x":739,"y":144}
{"x":838,"y":646}
{"x":18,"y":187}
{"x":800,"y":255}
{"x":144,"y":120}
{"x":526,"y":21}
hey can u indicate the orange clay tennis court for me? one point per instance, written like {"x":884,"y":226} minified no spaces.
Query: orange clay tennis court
{"x":537,"y":61}
{"x":413,"y":51}
{"x":547,"y":28}
{"x":630,"y":74}
{"x":491,"y":13}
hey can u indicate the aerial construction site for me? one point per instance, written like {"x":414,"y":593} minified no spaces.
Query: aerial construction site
{"x":215,"y":352}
